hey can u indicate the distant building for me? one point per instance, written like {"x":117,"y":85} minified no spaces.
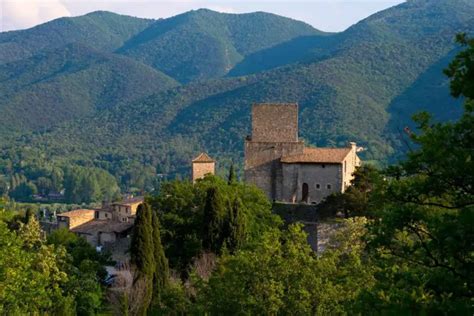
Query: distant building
{"x":202,"y":165}
{"x":277,"y":162}
{"x":102,"y":226}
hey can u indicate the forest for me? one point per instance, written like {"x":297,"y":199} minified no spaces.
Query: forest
{"x":404,"y":243}
{"x":139,"y":98}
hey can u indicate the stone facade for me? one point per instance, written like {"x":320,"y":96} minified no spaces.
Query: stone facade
{"x":72,"y":219}
{"x":125,"y":211}
{"x":201,"y":166}
{"x":276,"y":123}
{"x":102,"y":226}
{"x":279,"y":164}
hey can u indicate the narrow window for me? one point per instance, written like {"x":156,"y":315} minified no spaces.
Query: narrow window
{"x":318,"y":186}
{"x":329,"y":187}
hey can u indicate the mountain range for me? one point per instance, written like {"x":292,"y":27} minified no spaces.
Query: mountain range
{"x":108,"y":90}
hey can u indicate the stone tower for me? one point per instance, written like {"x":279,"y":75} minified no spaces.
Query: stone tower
{"x":202,"y":165}
{"x":274,"y":134}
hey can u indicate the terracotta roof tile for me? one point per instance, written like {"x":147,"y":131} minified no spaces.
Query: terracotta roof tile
{"x":77,"y":213}
{"x":106,"y":226}
{"x":130,"y":201}
{"x":203,"y":157}
{"x":318,"y":155}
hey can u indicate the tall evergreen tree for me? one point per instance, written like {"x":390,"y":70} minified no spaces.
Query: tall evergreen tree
{"x":214,"y":217}
{"x":232,"y":178}
{"x":236,"y":224}
{"x":141,"y":251}
{"x":161,"y":273}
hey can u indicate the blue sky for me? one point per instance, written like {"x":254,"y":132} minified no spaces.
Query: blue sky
{"x":326,"y":15}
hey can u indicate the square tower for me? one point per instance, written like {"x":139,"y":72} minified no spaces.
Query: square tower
{"x":274,"y":134}
{"x":202,"y":165}
{"x":275,"y":122}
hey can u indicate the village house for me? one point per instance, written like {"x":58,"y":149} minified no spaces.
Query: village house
{"x":282,"y":166}
{"x":102,"y":226}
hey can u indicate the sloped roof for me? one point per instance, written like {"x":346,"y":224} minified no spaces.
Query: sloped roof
{"x":106,"y":226}
{"x":130,"y":201}
{"x":318,"y":155}
{"x":78,"y":213}
{"x":203,"y":157}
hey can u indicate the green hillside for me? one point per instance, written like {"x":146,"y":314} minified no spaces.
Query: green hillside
{"x":100,"y":30}
{"x":359,"y":85}
{"x":68,"y":83}
{"x":204,"y":44}
{"x":347,"y":96}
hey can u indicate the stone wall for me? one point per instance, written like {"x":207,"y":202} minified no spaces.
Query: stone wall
{"x":75,"y":218}
{"x":200,"y":169}
{"x":262,"y":164}
{"x":316,"y":176}
{"x":318,"y":225}
{"x":275,"y":123}
{"x":349,"y":165}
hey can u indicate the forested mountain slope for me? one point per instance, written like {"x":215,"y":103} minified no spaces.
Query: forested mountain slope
{"x":68,"y":83}
{"x":342,"y":97}
{"x":204,"y":44}
{"x":359,"y":85}
{"x":100,"y":30}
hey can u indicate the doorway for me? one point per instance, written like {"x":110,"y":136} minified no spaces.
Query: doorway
{"x":305,"y":192}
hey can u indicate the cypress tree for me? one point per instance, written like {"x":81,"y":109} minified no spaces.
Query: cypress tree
{"x":232,"y":178}
{"x":141,"y":252}
{"x":214,"y":213}
{"x":161,"y":273}
{"x":236,"y":224}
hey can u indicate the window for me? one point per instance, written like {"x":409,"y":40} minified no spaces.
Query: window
{"x":318,"y":186}
{"x":329,"y":187}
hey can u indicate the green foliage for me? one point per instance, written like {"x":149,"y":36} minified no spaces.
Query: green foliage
{"x":282,"y":275}
{"x":214,"y":218}
{"x":236,"y":226}
{"x":422,"y":237}
{"x":161,"y":274}
{"x":359,"y":85}
{"x":86,"y":185}
{"x":142,"y":253}
{"x":232,"y":177}
{"x":204,"y":44}
{"x":32,"y":273}
{"x":209,"y":214}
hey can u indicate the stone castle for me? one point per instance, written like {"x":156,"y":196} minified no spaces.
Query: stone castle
{"x":277,"y":162}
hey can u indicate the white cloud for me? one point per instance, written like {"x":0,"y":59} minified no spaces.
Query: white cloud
{"x":20,"y":14}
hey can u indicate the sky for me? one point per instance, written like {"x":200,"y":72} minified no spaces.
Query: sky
{"x":326,"y":15}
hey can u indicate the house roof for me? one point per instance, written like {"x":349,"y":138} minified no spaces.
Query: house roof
{"x":105,"y":226}
{"x":318,"y":155}
{"x":78,"y":213}
{"x":203,"y":157}
{"x":130,"y":201}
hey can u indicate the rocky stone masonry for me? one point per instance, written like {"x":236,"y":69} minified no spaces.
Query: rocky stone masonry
{"x":275,"y":123}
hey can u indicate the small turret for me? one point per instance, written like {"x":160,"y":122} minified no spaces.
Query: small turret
{"x":202,"y":165}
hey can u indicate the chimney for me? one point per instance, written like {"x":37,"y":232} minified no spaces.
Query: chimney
{"x":353,"y":146}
